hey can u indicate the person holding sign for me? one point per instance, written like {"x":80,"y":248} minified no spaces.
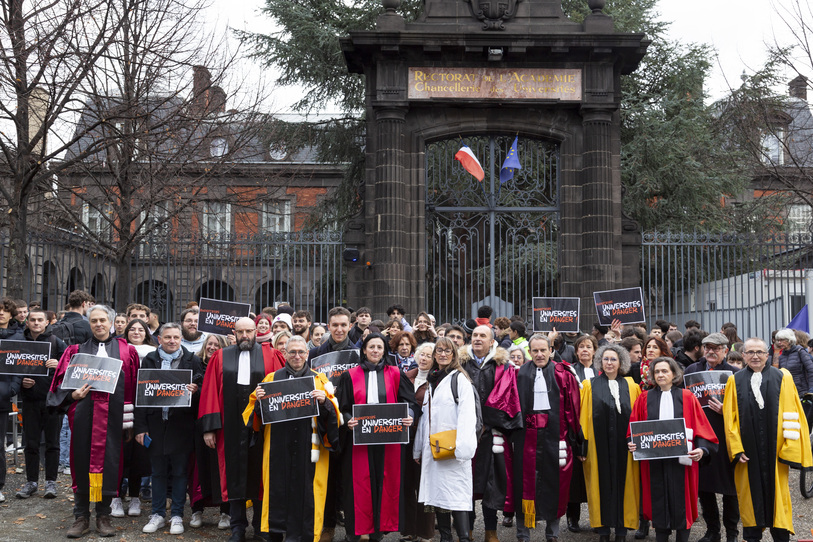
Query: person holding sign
{"x":449,"y":405}
{"x":37,"y":418}
{"x":372,"y":473}
{"x":169,"y":432}
{"x":717,"y":476}
{"x":611,"y":475}
{"x":295,"y":454}
{"x":230,"y":379}
{"x":669,"y":486}
{"x":542,"y":462}
{"x":98,"y":421}
{"x":767,"y":433}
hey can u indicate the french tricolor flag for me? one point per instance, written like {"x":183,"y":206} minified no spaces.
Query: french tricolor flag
{"x":470,"y":162}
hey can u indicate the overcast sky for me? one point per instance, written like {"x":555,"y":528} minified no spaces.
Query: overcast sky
{"x":739,"y":31}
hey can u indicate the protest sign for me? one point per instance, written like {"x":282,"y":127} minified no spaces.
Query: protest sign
{"x":219,"y":316}
{"x":706,"y":385}
{"x":163,"y":388}
{"x":334,"y":364}
{"x":561,"y":313}
{"x":24,"y":358}
{"x":288,"y":399}
{"x":626,"y":305}
{"x":100,"y":372}
{"x":381,"y":424}
{"x":659,"y":439}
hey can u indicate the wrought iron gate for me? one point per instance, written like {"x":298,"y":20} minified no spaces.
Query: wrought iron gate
{"x":491,"y":243}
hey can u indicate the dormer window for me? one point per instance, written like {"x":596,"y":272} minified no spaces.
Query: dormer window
{"x":219,"y":147}
{"x":773,"y":148}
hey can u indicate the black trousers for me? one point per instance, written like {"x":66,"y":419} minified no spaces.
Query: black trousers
{"x":37,"y":419}
{"x":754,"y":534}
{"x":81,"y":505}
{"x":711,"y":512}
{"x":3,"y":429}
{"x":239,"y":518}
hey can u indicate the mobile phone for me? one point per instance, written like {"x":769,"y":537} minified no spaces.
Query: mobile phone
{"x":147,"y":441}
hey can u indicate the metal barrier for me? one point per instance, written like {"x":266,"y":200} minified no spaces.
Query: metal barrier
{"x":758,"y":282}
{"x":304,"y":269}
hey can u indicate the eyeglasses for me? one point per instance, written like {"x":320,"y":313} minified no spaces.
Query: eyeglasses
{"x":713,"y":347}
{"x":752,"y":353}
{"x":444,"y":351}
{"x":298,"y":353}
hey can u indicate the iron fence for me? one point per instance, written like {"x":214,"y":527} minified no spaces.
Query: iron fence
{"x":758,"y":282}
{"x":304,"y":269}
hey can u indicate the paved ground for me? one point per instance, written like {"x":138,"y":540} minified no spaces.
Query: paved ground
{"x":37,"y":519}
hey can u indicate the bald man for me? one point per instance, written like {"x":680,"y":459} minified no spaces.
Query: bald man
{"x":231,"y":376}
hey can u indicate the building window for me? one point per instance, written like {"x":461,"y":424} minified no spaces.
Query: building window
{"x":773,"y":148}
{"x":219,"y":147}
{"x":276,"y":217}
{"x":155,"y":227}
{"x":216,"y":220}
{"x":96,"y":222}
{"x":800,"y":221}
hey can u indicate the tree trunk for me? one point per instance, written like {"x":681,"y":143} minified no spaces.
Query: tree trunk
{"x":16,"y":269}
{"x":124,"y":272}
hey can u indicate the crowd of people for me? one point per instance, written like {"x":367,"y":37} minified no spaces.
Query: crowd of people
{"x":529,"y":425}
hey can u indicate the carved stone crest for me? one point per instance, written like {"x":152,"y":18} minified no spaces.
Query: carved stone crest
{"x":493,"y":13}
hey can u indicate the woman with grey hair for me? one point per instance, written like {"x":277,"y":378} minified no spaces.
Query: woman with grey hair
{"x":517,"y":356}
{"x":786,"y":354}
{"x":610,"y":474}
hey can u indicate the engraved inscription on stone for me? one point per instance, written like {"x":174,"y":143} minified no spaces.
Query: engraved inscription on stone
{"x":495,"y":83}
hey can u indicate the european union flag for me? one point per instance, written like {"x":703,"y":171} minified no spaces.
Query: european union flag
{"x":511,"y":163}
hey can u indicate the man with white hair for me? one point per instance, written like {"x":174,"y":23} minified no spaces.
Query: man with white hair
{"x":295,"y":454}
{"x":766,"y":433}
{"x":98,"y":421}
{"x":231,"y":376}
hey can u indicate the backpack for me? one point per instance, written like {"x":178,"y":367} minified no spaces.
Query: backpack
{"x":65,"y":331}
{"x":478,"y":428}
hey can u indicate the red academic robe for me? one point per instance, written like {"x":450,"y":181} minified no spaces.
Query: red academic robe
{"x":673,"y":503}
{"x":96,"y":421}
{"x":221,"y":410}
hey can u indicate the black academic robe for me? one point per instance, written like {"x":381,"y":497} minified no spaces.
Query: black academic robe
{"x":222,"y":403}
{"x":537,"y":473}
{"x":716,"y":476}
{"x":372,"y":492}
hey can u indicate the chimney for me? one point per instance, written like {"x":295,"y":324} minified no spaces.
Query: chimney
{"x":798,"y":88}
{"x":201,"y":86}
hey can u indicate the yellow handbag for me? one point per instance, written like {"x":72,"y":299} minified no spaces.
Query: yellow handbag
{"x":442,"y":443}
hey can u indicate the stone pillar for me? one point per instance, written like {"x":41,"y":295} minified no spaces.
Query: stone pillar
{"x":599,"y":238}
{"x":390,"y":236}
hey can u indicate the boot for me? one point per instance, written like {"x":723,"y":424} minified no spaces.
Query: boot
{"x":491,"y":536}
{"x":327,"y":534}
{"x":103,"y":526}
{"x":643,"y":530}
{"x":461,"y":524}
{"x":79,"y":528}
{"x":444,"y":520}
{"x":604,"y":538}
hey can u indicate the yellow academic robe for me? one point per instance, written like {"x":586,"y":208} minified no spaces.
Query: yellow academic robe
{"x":276,"y":453}
{"x":601,"y":435}
{"x":782,"y":437}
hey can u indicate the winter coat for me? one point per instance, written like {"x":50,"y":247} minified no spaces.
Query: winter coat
{"x":13,"y":332}
{"x":175,"y":435}
{"x":9,"y":387}
{"x":39,"y":391}
{"x":447,"y":484}
{"x":800,"y":365}
{"x":81,"y":327}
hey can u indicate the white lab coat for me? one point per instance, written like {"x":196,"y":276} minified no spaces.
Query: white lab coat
{"x":447,"y":484}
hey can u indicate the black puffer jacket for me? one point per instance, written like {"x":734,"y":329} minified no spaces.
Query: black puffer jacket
{"x":39,"y":391}
{"x":798,"y":362}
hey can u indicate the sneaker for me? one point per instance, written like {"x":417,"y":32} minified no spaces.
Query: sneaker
{"x":135,"y":507}
{"x":116,"y":508}
{"x":27,"y":490}
{"x":2,"y":497}
{"x":224,"y":522}
{"x":176,"y":525}
{"x":145,"y":494}
{"x":197,"y":520}
{"x":67,"y":470}
{"x":50,"y":489}
{"x":156,"y":522}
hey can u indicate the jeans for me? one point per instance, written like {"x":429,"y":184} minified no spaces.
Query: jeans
{"x":524,"y":533}
{"x":173,"y":467}
{"x":65,"y":443}
{"x":36,"y":418}
{"x":81,"y":505}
